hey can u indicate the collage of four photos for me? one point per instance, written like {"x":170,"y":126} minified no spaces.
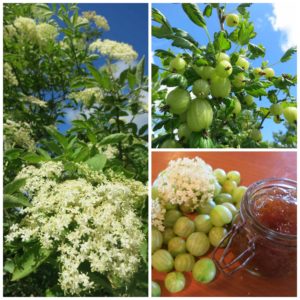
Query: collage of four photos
{"x":149,"y":149}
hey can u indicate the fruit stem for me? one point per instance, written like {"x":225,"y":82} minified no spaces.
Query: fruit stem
{"x":263,"y":120}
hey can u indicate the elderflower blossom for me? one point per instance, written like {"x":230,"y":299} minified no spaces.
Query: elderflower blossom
{"x":46,"y":33}
{"x":100,"y":21}
{"x":26,"y":27}
{"x":33,"y":100}
{"x":88,"y":96}
{"x":9,"y":31}
{"x":158,"y":215}
{"x":85,"y":222}
{"x":18,"y":134}
{"x":187,"y":182}
{"x":114,"y":50}
{"x":9,"y":75}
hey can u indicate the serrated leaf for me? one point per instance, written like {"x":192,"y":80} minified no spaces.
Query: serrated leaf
{"x":221,"y":43}
{"x":181,"y":33}
{"x":175,"y":80}
{"x":139,"y":71}
{"x":34,"y":158}
{"x":61,"y":139}
{"x":194,"y":13}
{"x":182,"y":43}
{"x":10,"y":201}
{"x":163,"y":53}
{"x":97,"y":162}
{"x":256,"y":51}
{"x":14,"y":186}
{"x":161,"y":32}
{"x":114,"y":138}
{"x":288,"y":54}
{"x":29,"y":262}
{"x":242,"y":8}
{"x":246,"y":33}
{"x":207,"y":10}
{"x":159,"y":17}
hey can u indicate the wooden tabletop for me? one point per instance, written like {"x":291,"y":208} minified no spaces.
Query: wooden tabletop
{"x":253,"y":166}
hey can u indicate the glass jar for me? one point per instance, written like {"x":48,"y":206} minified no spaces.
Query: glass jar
{"x":263,"y":238}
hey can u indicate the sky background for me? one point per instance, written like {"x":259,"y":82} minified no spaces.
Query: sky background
{"x":275,"y":27}
{"x":128,"y":24}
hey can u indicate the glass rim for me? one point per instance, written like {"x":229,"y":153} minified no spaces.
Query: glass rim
{"x":254,"y":187}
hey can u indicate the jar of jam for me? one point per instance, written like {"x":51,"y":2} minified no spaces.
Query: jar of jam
{"x":263,"y":238}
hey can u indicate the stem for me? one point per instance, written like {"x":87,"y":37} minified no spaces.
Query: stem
{"x":263,"y":120}
{"x":221,"y":19}
{"x":119,"y":130}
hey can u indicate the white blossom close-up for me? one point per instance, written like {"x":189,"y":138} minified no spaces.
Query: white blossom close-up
{"x":94,"y":223}
{"x":185,"y":181}
{"x":88,"y":96}
{"x":157,"y":215}
{"x":114,"y":50}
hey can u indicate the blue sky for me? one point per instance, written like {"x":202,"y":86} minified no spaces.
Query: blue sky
{"x":274,"y":41}
{"x":128,"y":24}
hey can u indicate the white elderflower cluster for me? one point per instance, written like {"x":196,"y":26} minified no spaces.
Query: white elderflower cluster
{"x":114,"y":50}
{"x":18,"y":134}
{"x":185,"y":181}
{"x":33,"y":100}
{"x":26,"y":27}
{"x":100,"y":21}
{"x":109,"y":151}
{"x":158,"y":215}
{"x":9,"y":75}
{"x":46,"y":33}
{"x":27,"y":30}
{"x":88,"y":96}
{"x":84,"y":222}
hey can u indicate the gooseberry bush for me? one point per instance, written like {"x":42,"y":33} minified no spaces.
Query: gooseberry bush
{"x":75,"y":200}
{"x":208,"y":94}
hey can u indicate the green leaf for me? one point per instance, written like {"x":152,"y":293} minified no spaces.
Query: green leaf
{"x":10,"y":201}
{"x":181,"y":33}
{"x":14,"y":186}
{"x":114,"y":138}
{"x":97,"y":162}
{"x":246,"y":33}
{"x":256,"y":51}
{"x":34,"y":158}
{"x":144,"y":251}
{"x":9,"y":266}
{"x":29,"y":262}
{"x":44,"y":153}
{"x":288,"y":54}
{"x":95,"y":73}
{"x":207,"y":10}
{"x":194,"y":13}
{"x":242,"y":8}
{"x":183,"y":43}
{"x":131,"y":80}
{"x":13,"y":154}
{"x":139,"y":73}
{"x":143,"y":129}
{"x":159,"y":17}
{"x":161,"y":32}
{"x":175,"y":80}
{"x":256,"y":89}
{"x":163,"y":53}
{"x":221,"y":42}
{"x":57,"y":136}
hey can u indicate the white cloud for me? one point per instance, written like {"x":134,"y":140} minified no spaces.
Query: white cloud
{"x":285,"y":19}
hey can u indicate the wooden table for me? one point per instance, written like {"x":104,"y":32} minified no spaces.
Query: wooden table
{"x":253,"y":166}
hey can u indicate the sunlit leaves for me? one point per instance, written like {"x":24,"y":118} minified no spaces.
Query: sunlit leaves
{"x":288,"y":54}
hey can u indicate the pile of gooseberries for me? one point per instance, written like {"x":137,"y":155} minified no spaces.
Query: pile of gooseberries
{"x":188,"y":238}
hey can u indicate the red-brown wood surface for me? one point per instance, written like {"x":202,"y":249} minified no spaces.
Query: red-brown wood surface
{"x":253,"y":166}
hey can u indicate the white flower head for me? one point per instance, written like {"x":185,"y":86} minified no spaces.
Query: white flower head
{"x":114,"y":50}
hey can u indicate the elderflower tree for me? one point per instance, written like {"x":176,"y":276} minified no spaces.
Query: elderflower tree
{"x":75,"y":204}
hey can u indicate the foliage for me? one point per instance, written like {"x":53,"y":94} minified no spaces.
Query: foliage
{"x":224,"y":72}
{"x":53,"y":66}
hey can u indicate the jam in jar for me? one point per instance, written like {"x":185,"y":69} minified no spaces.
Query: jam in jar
{"x":263,"y":238}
